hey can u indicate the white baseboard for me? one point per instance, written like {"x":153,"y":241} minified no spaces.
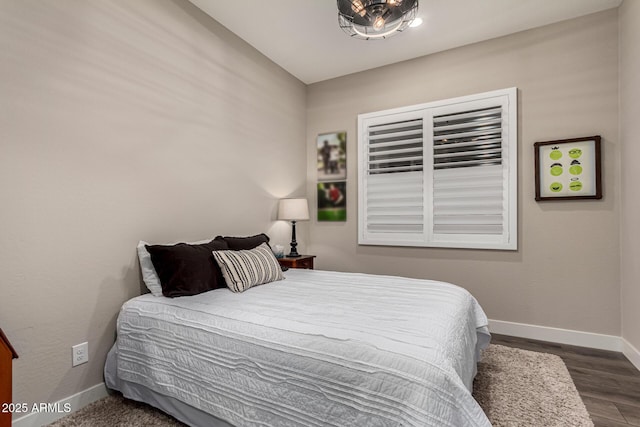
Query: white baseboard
{"x":557,"y":335}
{"x":74,"y":403}
{"x":632,"y":353}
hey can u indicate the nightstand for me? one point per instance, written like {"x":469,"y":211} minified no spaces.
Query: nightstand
{"x":7,"y":354}
{"x":303,"y":261}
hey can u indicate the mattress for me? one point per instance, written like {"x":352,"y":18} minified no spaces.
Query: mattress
{"x":319,"y":348}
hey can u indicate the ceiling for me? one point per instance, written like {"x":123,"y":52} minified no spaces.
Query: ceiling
{"x":303,"y":36}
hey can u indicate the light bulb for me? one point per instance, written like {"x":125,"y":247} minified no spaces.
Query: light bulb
{"x":378,"y":24}
{"x":358,"y":7}
{"x":416,"y":22}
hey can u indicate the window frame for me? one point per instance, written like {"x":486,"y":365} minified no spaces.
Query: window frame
{"x":508,"y":240}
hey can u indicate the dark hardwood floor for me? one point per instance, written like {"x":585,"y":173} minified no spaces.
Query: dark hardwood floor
{"x":607,"y":382}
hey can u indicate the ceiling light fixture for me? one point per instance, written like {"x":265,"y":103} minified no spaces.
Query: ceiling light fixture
{"x":375,"y":19}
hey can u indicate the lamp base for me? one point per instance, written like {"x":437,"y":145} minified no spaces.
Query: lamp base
{"x":294,"y":244}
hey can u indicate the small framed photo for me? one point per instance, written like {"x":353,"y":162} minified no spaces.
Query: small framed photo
{"x":568,"y":169}
{"x":332,"y":156}
{"x":332,"y":201}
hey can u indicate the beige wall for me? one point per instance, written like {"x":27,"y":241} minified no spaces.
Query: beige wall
{"x":566,"y":271}
{"x":629,"y":14}
{"x":119,"y":121}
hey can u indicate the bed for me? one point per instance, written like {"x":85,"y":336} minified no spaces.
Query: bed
{"x":318,"y":348}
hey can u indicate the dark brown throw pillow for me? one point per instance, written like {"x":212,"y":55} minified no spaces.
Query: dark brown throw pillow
{"x":245,"y":243}
{"x":186,"y":269}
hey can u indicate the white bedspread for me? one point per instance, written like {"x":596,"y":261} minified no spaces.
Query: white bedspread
{"x":316,"y":349}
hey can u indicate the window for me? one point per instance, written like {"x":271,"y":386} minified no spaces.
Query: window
{"x":441,"y":174}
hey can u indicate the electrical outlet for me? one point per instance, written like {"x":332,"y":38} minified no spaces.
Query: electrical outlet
{"x":80,"y":354}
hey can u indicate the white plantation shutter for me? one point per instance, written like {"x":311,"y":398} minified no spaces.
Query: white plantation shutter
{"x":395,"y":178}
{"x":440,"y":174}
{"x":468,"y":201}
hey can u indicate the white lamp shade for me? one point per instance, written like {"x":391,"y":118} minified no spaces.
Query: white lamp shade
{"x":293,"y":210}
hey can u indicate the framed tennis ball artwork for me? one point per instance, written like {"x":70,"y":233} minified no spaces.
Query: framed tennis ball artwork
{"x":568,"y":169}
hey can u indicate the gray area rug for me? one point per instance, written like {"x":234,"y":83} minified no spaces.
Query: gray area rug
{"x":525,"y":388}
{"x":514,"y":387}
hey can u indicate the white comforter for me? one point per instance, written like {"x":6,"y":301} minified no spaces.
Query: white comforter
{"x":316,"y":349}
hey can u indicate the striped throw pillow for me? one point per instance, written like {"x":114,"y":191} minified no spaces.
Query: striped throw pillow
{"x":246,"y":268}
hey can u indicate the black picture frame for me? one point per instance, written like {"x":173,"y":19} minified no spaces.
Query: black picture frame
{"x":568,"y":169}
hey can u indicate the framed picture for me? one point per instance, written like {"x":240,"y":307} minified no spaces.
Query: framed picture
{"x":332,"y":201}
{"x":568,"y":169}
{"x":332,"y":156}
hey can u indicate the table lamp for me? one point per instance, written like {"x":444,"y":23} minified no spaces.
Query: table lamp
{"x":293,"y":210}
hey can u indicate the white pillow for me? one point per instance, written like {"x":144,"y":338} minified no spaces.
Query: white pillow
{"x":246,"y":268}
{"x":149,"y":275}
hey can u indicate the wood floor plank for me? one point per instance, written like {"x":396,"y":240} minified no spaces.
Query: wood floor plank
{"x":616,"y":366}
{"x":603,"y":408}
{"x":630,"y":413}
{"x":631,"y":381}
{"x":604,"y":391}
{"x":605,"y":422}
